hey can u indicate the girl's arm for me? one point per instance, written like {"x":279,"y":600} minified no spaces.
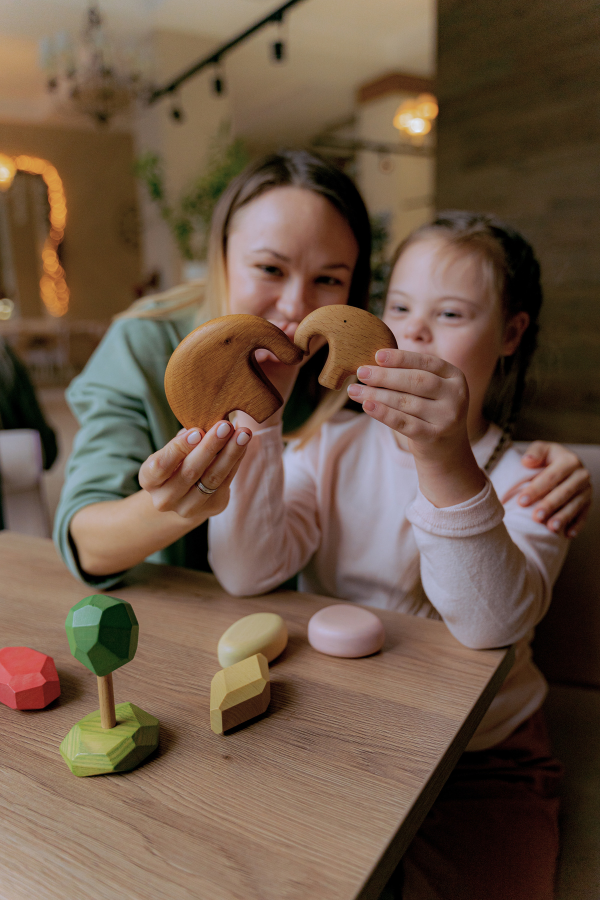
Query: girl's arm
{"x":269,"y":530}
{"x":114,"y":535}
{"x":426,"y":400}
{"x":489,"y":571}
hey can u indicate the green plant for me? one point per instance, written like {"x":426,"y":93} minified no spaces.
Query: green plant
{"x":380,"y":268}
{"x":189,"y":218}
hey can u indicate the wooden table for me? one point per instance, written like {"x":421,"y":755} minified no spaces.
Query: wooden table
{"x":316,"y":800}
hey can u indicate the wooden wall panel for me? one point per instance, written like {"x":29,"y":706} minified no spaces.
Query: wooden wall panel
{"x":519,"y":135}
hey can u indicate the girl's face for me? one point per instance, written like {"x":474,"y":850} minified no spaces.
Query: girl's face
{"x":438,"y":303}
{"x":289,"y":252}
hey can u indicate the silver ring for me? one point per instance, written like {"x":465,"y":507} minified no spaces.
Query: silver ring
{"x":203,"y":489}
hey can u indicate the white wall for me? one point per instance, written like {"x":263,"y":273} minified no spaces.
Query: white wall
{"x":401,"y":186}
{"x":184,"y":147}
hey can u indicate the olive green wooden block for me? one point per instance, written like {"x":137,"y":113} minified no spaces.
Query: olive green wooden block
{"x":89,"y":749}
{"x":102,"y":633}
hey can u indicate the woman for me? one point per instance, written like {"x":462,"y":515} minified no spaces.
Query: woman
{"x":290,"y":234}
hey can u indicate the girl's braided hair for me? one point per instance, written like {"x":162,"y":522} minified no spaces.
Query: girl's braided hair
{"x":513,"y":272}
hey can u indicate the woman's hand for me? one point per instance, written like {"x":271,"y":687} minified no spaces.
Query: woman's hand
{"x":563,"y":488}
{"x":171,"y":474}
{"x":426,"y":400}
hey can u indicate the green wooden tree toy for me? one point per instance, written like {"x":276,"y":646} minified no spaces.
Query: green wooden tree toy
{"x":103,"y":635}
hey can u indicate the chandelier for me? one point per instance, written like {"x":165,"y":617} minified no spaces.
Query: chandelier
{"x":414,"y":117}
{"x":99,"y":76}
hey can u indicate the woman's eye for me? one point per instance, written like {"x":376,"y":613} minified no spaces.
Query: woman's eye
{"x":398,"y":308}
{"x":270,"y":270}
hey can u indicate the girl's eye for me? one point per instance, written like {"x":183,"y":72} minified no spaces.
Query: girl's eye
{"x":450,"y":314}
{"x":398,"y":308}
{"x":328,"y":280}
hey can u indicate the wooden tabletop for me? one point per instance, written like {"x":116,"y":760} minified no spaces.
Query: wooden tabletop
{"x":317,"y":799}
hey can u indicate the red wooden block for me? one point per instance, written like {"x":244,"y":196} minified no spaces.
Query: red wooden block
{"x":28,"y":678}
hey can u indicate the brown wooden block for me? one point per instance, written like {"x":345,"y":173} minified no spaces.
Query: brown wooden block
{"x":239,"y":692}
{"x":354,"y":336}
{"x":213,"y":371}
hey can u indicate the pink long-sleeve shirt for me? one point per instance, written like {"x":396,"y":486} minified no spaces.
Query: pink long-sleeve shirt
{"x":346,"y":512}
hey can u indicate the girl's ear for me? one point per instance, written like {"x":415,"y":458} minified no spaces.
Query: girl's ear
{"x":513,"y":332}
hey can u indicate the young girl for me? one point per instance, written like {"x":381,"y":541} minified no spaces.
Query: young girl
{"x":413,"y":507}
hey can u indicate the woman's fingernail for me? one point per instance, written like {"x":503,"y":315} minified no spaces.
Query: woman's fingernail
{"x":572,"y":532}
{"x":525,"y":500}
{"x":364,"y":373}
{"x":369,"y":406}
{"x":223,"y":429}
{"x":355,"y":390}
{"x":243,"y":438}
{"x":540,"y":515}
{"x":555,"y":525}
{"x":382,"y":356}
{"x":194,"y":437}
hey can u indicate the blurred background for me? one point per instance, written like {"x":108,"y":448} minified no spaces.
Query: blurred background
{"x":113,"y":153}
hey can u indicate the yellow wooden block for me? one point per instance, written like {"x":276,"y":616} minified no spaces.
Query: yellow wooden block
{"x":264,"y":633}
{"x":239,"y":693}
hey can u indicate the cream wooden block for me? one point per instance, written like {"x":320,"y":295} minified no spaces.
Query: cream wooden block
{"x":239,"y":692}
{"x":354,"y":337}
{"x":264,"y":633}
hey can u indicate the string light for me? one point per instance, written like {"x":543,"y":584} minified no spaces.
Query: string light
{"x":8,"y":170}
{"x":414,"y":117}
{"x":53,"y":286}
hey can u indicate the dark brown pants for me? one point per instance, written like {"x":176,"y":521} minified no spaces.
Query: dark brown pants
{"x":492,"y":834}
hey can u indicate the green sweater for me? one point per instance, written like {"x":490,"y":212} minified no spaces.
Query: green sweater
{"x":119,"y":401}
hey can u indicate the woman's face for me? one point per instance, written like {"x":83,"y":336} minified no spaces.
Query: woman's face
{"x":289,"y":252}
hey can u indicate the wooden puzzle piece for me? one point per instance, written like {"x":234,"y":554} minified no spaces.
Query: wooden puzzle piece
{"x":103,"y":635}
{"x":264,"y":633}
{"x":239,"y":693}
{"x":28,"y":678}
{"x":354,"y":336}
{"x":91,"y":749}
{"x":346,"y":630}
{"x":213,"y":371}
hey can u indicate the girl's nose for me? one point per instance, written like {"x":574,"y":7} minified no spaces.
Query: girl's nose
{"x":416,"y":329}
{"x":294,"y":302}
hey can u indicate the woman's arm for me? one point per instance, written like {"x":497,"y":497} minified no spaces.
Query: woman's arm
{"x":114,"y":535}
{"x":563,"y":488}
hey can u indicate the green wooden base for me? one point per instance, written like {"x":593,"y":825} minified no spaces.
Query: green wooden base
{"x":89,"y":749}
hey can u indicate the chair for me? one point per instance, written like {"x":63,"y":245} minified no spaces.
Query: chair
{"x":23,"y":502}
{"x":567,"y":650}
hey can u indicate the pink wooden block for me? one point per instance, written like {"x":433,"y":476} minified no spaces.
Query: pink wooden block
{"x":28,"y":678}
{"x":346,"y":630}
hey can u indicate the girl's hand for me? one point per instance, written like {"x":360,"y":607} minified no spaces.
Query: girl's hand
{"x":170,"y":475}
{"x":564,"y":488}
{"x":426,"y":400}
{"x":420,"y":396}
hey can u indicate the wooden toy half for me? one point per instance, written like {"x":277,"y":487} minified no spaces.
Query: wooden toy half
{"x":239,"y":693}
{"x":264,"y":633}
{"x":345,"y":630}
{"x":213,"y":371}
{"x":28,"y":678}
{"x":103,"y":635}
{"x":354,"y":337}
